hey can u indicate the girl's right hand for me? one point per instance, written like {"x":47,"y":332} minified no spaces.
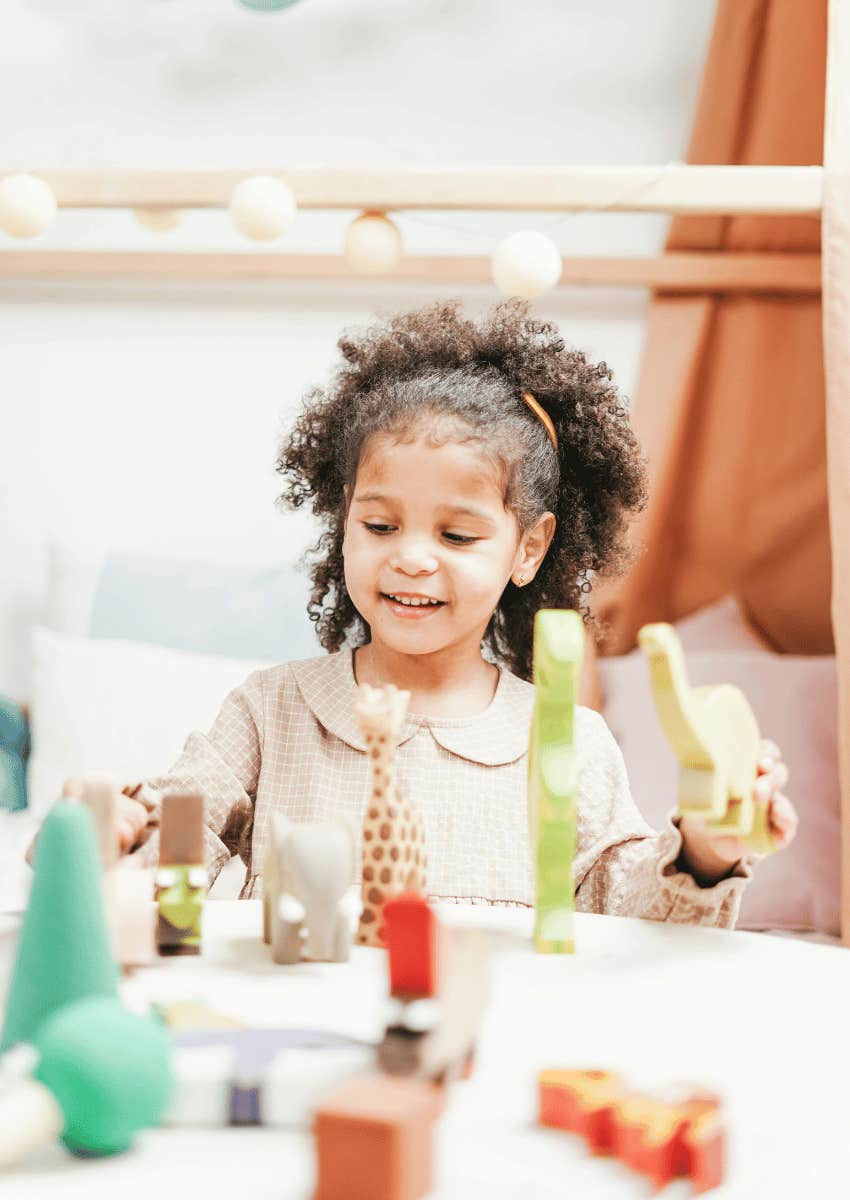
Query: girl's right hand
{"x":131,"y":817}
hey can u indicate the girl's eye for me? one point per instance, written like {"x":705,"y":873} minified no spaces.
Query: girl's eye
{"x":379,"y":529}
{"x":460,"y":539}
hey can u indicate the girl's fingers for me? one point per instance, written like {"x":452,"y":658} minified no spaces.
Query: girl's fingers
{"x":783,"y":819}
{"x":770,"y":748}
{"x":770,"y":782}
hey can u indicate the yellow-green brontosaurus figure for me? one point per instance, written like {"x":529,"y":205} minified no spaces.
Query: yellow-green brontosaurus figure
{"x":553,"y":775}
{"x":714,"y":735}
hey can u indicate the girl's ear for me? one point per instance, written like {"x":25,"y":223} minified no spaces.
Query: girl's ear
{"x":532,"y":548}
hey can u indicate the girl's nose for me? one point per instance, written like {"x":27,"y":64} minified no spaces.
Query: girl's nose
{"x":415,"y":557}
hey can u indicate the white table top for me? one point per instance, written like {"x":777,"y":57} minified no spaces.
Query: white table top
{"x":763,"y":1020}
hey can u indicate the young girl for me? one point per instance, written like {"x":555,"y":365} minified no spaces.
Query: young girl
{"x":466,"y":475}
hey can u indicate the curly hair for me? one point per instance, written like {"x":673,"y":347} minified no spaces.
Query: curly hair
{"x":434,"y":364}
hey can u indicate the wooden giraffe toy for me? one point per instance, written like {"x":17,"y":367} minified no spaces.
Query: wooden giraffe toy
{"x":553,"y":775}
{"x":714,"y":735}
{"x":394,"y":855}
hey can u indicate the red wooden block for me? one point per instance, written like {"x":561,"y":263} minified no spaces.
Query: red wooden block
{"x":411,"y":936}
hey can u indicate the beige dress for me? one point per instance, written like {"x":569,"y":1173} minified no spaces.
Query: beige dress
{"x":287,"y":741}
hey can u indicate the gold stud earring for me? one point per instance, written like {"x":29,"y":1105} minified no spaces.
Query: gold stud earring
{"x":520,"y":580}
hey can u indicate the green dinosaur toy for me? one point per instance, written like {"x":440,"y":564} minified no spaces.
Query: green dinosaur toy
{"x":553,"y":775}
{"x":714,"y":735}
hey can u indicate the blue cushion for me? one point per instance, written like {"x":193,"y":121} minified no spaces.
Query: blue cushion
{"x":210,"y":608}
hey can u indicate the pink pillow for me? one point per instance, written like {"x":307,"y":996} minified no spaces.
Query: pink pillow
{"x":795,"y":702}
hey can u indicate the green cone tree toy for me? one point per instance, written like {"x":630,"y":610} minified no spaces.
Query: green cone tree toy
{"x":63,"y":950}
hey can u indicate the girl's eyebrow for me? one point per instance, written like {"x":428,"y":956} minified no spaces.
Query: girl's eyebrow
{"x":462,"y":509}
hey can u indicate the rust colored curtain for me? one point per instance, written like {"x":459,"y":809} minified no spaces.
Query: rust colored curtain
{"x":730,"y":407}
{"x":836,"y":337}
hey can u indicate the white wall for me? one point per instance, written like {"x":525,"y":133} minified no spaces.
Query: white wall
{"x":149,"y":414}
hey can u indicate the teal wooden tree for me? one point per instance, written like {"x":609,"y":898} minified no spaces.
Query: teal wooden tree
{"x":553,"y":775}
{"x":63,"y":950}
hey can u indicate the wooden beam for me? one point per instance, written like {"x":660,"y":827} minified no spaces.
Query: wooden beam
{"x":726,"y":272}
{"x":671,"y":188}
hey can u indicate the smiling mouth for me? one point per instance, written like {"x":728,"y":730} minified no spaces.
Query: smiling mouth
{"x":408,"y":603}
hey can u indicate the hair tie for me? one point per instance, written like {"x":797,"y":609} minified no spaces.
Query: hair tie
{"x":541,"y":413}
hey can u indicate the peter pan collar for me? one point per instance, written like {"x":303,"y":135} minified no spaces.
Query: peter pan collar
{"x":493,"y":738}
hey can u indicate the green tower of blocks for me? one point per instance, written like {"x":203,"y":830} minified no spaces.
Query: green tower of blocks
{"x":553,"y":775}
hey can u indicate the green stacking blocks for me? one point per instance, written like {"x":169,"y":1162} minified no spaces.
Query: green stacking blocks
{"x":553,"y":775}
{"x":63,"y":950}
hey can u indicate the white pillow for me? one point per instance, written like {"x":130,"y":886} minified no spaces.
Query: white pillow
{"x":122,"y":707}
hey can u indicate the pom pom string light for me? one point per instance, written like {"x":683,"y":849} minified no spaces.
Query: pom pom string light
{"x":27,"y":205}
{"x":526,"y":264}
{"x":157,"y":220}
{"x":262,"y":207}
{"x":373,"y":244}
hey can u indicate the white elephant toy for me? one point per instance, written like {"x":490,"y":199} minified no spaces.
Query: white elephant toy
{"x":307,"y":871}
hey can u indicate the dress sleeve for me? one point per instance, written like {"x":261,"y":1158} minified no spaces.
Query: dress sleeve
{"x":625,"y":868}
{"x":224,"y":765}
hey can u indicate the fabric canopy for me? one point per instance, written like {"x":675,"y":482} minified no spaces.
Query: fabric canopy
{"x":730,"y":407}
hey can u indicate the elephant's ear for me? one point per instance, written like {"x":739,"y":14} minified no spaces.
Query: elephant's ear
{"x":352,"y":826}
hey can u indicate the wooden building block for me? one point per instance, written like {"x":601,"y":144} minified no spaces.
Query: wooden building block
{"x":374,"y":1139}
{"x":553,"y":775}
{"x":412,"y":945}
{"x":181,"y":877}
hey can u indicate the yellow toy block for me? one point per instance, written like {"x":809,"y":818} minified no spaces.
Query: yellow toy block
{"x":714,"y":735}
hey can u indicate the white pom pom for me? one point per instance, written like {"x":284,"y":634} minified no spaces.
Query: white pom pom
{"x":372,"y":244}
{"x":157,"y":220}
{"x":27,"y":205}
{"x":526,"y":264}
{"x":262,"y":207}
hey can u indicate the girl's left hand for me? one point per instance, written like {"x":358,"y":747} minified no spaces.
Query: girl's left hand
{"x":710,"y":856}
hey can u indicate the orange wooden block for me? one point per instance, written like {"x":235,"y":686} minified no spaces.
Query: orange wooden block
{"x":704,"y":1145}
{"x":581,"y":1102}
{"x":411,"y":935}
{"x":374,"y":1139}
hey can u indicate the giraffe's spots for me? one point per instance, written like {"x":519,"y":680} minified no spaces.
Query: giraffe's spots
{"x":394,"y":853}
{"x":385,"y":831}
{"x":402,"y":833}
{"x":374,"y":752}
{"x":367,"y":917}
{"x":361,"y":937}
{"x":375,"y":895}
{"x":382,"y":933}
{"x":368,"y":873}
{"x":414,"y":834}
{"x":378,"y":794}
{"x":385,"y":875}
{"x":373,"y":813}
{"x":377,"y":853}
{"x":367,"y":835}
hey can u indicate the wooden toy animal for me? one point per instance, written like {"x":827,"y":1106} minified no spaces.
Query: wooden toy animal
{"x":714,"y":735}
{"x":394,"y":854}
{"x":553,"y":775}
{"x":307,"y":870}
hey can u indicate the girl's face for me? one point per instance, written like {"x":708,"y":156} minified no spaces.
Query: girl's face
{"x":429,"y":545}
